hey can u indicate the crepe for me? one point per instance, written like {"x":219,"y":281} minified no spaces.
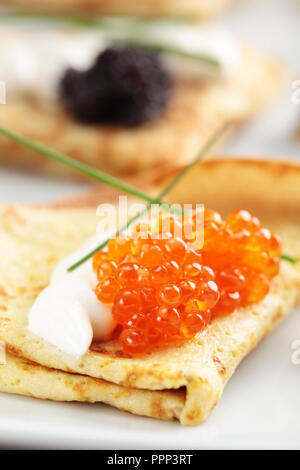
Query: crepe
{"x":199,"y":8}
{"x":195,"y":111}
{"x":184,"y":382}
{"x":24,"y":377}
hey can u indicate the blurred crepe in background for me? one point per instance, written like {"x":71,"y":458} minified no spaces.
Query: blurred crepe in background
{"x":271,"y":133}
{"x":188,"y":8}
{"x":244,"y":81}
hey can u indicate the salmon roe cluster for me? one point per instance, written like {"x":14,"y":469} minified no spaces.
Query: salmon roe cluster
{"x":164,"y":289}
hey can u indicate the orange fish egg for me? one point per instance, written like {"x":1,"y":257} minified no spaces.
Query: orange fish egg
{"x":164,"y":290}
{"x":118,"y":248}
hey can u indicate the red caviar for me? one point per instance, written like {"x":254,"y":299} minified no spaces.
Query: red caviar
{"x":165,"y":289}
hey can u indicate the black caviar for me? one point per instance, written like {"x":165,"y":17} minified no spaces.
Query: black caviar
{"x":126,"y":86}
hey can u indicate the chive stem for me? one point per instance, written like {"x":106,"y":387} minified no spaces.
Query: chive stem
{"x":160,"y":48}
{"x":107,"y":179}
{"x":130,"y":35}
{"x":289,"y":258}
{"x":83,"y":168}
{"x":200,"y":155}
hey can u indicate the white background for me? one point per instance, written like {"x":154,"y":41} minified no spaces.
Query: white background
{"x":261,"y":404}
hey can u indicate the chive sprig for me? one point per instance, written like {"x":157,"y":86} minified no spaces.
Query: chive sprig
{"x":79,"y":166}
{"x":200,"y":155}
{"x":119,"y":184}
{"x":123,"y":30}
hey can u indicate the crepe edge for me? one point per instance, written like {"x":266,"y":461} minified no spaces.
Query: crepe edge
{"x":23,"y":377}
{"x":186,"y":8}
{"x":203,"y":388}
{"x":191,"y":403}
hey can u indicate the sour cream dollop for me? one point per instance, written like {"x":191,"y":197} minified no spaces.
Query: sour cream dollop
{"x":32,"y":61}
{"x":67,"y":313}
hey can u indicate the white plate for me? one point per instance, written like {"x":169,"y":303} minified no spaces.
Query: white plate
{"x":260,"y":407}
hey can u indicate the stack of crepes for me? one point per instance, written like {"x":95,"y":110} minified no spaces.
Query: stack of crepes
{"x":183,"y":382}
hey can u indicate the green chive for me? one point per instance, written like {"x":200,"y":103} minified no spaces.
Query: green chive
{"x":126,"y":31}
{"x":159,"y":47}
{"x":85,"y":169}
{"x":103,"y":244}
{"x":107,"y":179}
{"x":203,"y":152}
{"x":200,"y":155}
{"x":290,"y":259}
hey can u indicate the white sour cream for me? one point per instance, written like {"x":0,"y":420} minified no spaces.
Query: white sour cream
{"x":210,"y":40}
{"x":32,"y":61}
{"x":67,"y":313}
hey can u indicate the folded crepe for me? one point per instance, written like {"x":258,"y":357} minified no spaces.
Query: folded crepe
{"x":183,"y":382}
{"x":197,"y":8}
{"x":195,"y":110}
